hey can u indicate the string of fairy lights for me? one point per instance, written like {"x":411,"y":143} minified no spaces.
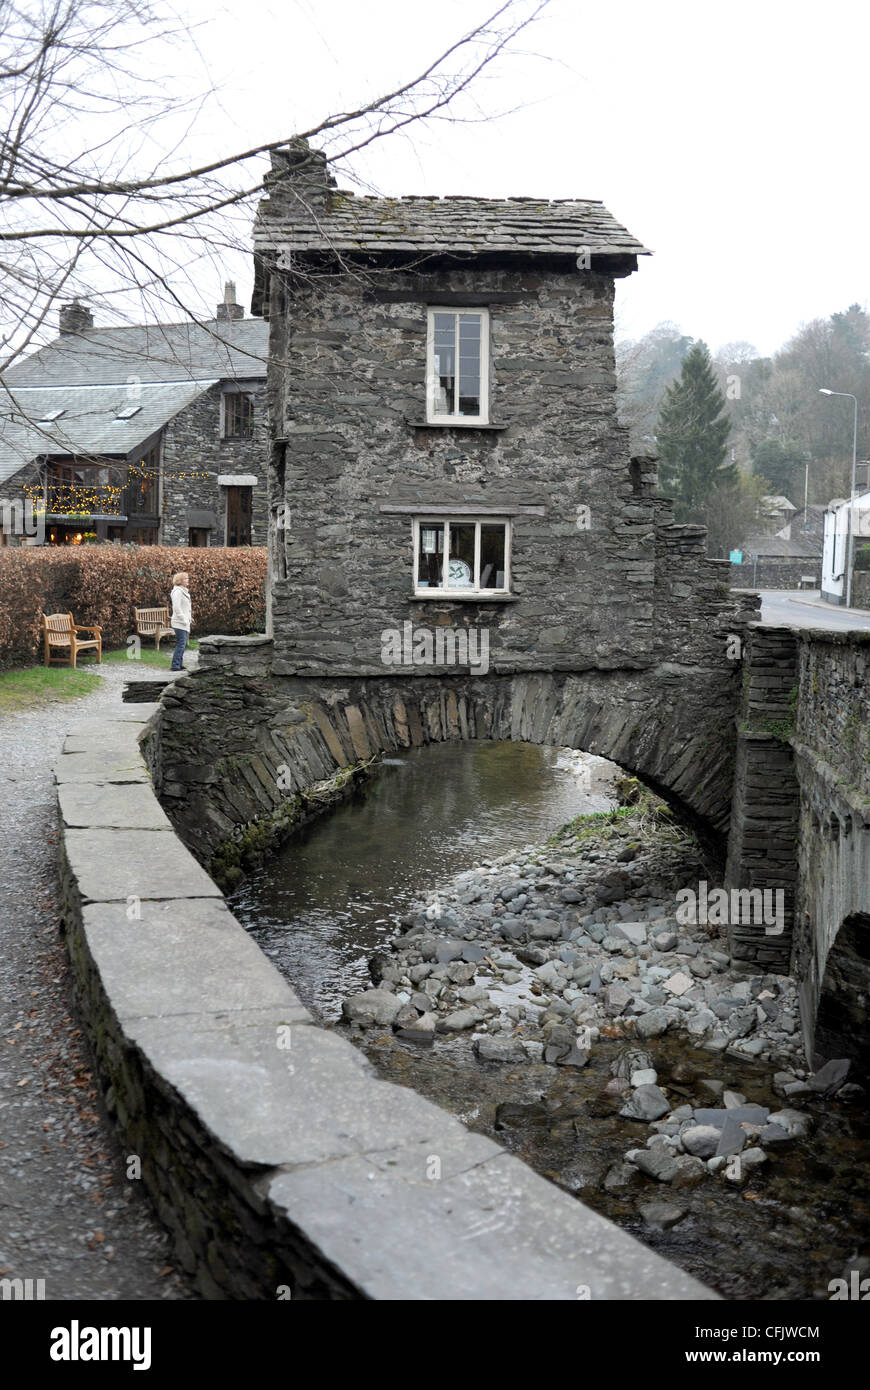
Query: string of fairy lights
{"x":83,"y":499}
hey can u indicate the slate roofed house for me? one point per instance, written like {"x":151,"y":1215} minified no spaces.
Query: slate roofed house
{"x":152,"y":434}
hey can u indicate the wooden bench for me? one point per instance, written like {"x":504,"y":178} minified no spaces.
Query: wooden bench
{"x":62,"y":641}
{"x":153,"y":622}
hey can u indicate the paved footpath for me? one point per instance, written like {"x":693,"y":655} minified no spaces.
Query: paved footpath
{"x":68,"y":1213}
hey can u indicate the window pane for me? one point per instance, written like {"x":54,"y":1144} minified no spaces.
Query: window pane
{"x":431,"y":556}
{"x":492,"y":555}
{"x":460,"y":567}
{"x":469,"y":364}
{"x":445,"y":363}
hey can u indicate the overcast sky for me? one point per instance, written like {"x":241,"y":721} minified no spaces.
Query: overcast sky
{"x":728,"y":138}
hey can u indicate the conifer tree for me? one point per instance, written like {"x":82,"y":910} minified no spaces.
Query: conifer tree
{"x":692,"y":435}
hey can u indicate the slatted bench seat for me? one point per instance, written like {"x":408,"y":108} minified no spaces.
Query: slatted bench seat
{"x":62,"y":642}
{"x":153,"y":622}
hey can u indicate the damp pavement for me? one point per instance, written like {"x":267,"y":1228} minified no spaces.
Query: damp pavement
{"x":68,"y":1213}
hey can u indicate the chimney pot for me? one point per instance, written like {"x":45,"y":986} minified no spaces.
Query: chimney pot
{"x":74,"y":318}
{"x":229,"y":309}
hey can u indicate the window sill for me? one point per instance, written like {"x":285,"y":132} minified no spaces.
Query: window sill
{"x":456,"y":425}
{"x":443,"y":596}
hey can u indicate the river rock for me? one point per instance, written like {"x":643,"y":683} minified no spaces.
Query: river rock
{"x":647,"y":1103}
{"x":796,"y":1123}
{"x":659,"y":1163}
{"x":421,"y":1030}
{"x":661,"y":1214}
{"x":830,"y":1077}
{"x":701,"y":1140}
{"x":664,"y":941}
{"x":733,"y":1099}
{"x":460,"y":1021}
{"x":677,"y":984}
{"x":619,"y":1176}
{"x":773,"y":1134}
{"x":494,"y":1049}
{"x":631,"y":1059}
{"x":647,"y":1076}
{"x":372,"y":1007}
{"x":654,"y":1023}
{"x":635,"y":932}
{"x":689,"y":1171}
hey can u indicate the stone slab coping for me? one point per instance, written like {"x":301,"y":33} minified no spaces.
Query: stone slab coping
{"x":382,"y":1184}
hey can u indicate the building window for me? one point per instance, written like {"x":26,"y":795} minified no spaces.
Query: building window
{"x":143,"y":484}
{"x":238,"y":415}
{"x":197,"y":535}
{"x":462,"y":555}
{"x":239,"y":509}
{"x":457,"y":368}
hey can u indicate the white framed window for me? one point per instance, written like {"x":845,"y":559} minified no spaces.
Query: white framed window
{"x":464,"y":555}
{"x":237,"y":415}
{"x":457,"y":366}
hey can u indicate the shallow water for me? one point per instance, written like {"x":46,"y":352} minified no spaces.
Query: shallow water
{"x":331,"y":897}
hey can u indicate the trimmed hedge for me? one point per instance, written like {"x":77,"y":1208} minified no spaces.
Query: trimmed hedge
{"x":103,"y":583}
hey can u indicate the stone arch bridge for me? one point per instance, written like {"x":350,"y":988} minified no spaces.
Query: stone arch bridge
{"x":770,"y":753}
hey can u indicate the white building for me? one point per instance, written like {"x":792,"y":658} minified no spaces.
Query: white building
{"x":836,"y":545}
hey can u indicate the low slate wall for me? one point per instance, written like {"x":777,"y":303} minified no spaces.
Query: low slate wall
{"x":279,"y":1161}
{"x":773,"y":573}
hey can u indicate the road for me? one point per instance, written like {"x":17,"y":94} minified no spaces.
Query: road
{"x":804,"y":608}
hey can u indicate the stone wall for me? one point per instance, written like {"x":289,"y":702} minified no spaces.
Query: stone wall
{"x":192,"y":443}
{"x":279,"y":1161}
{"x":761,"y":844}
{"x":801,"y":814}
{"x":773,"y":573}
{"x":832,"y":755}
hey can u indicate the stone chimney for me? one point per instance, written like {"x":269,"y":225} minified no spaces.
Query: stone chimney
{"x":299,"y":177}
{"x":74,"y":318}
{"x":229,"y":309}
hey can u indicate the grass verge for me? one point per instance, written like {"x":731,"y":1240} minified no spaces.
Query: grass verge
{"x":40,"y":684}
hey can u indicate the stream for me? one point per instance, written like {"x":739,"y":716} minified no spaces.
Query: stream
{"x":334,"y":895}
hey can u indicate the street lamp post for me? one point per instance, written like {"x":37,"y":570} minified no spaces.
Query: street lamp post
{"x":850,"y":551}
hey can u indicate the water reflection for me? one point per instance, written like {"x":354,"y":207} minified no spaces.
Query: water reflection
{"x":322,"y":905}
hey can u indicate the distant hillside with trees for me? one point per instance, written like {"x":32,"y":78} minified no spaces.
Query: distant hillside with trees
{"x":733,"y":426}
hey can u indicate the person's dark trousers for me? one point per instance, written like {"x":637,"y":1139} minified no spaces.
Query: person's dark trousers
{"x":180,"y":643}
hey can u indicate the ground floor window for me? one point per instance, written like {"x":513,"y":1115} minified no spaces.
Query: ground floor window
{"x":239,"y":513}
{"x":143,"y":535}
{"x":462,"y":554}
{"x":197,"y":535}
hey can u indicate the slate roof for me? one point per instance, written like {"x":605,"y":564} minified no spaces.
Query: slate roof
{"x":88,"y":425}
{"x":432,"y":226}
{"x":168,"y":352}
{"x":776,"y":547}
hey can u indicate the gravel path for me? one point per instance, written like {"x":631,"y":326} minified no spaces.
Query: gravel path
{"x":68,"y":1214}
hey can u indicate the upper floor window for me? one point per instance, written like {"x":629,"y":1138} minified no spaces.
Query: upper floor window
{"x":457,"y":369}
{"x":464,"y":555}
{"x":238,"y":415}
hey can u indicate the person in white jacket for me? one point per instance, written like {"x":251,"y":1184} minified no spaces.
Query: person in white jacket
{"x":181,"y":617}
